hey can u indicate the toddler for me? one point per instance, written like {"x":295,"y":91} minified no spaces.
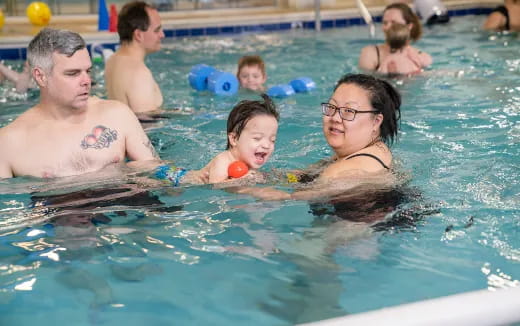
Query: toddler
{"x":251,"y":133}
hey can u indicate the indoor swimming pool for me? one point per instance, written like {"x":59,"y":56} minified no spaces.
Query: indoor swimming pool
{"x":106,"y":250}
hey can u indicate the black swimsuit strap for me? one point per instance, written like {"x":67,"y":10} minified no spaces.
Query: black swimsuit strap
{"x":369,"y":155}
{"x":503,"y":10}
{"x":378,"y":59}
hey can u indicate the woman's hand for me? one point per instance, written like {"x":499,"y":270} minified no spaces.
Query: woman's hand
{"x":421,"y":59}
{"x":266,"y":193}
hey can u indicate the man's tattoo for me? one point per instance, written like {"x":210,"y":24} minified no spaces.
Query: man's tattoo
{"x":100,"y":138}
{"x":149,"y":145}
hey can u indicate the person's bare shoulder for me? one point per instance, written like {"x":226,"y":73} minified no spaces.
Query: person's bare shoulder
{"x":126,"y":69}
{"x":17,"y":132}
{"x":368,"y":58}
{"x":217,"y":167}
{"x":495,"y":21}
{"x":110,"y":108}
{"x":24,"y":121}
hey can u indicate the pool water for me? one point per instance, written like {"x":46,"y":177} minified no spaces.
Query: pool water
{"x":201,"y":255}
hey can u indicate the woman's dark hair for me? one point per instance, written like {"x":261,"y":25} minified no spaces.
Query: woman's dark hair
{"x":245,"y":111}
{"x":383,"y":98}
{"x":409,"y":17}
{"x":132,"y":16}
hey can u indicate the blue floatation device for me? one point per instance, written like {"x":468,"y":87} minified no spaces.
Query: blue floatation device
{"x":198,"y":76}
{"x":203,"y":77}
{"x":302,"y":84}
{"x":298,"y":85}
{"x":280,"y":91}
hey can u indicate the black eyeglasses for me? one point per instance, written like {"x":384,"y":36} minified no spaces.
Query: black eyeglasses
{"x":345,"y":113}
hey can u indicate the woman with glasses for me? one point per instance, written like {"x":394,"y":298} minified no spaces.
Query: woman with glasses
{"x":360,"y":121}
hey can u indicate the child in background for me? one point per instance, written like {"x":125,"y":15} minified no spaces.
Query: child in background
{"x":403,"y":59}
{"x":251,"y":131}
{"x":251,"y":73}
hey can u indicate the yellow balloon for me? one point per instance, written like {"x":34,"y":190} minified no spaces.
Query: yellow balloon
{"x":39,"y":13}
{"x":1,"y":18}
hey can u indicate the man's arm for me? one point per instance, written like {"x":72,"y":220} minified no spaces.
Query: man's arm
{"x":141,"y":93}
{"x":5,"y":170}
{"x":5,"y":167}
{"x":138,"y":145}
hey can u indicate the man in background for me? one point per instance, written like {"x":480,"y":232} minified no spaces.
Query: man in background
{"x":127,"y":78}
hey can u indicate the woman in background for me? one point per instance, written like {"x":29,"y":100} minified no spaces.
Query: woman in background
{"x":372,"y":56}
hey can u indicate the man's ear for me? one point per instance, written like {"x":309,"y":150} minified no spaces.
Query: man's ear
{"x":138,"y":35}
{"x":39,"y":76}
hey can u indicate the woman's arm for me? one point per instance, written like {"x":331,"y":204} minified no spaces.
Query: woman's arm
{"x":495,"y":22}
{"x":368,"y":58}
{"x":322,"y":188}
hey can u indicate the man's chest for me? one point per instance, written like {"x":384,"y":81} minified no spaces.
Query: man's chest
{"x":56,"y":154}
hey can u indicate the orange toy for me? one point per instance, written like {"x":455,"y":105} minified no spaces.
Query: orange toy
{"x":237,"y":169}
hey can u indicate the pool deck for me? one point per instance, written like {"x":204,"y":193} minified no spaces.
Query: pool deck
{"x":17,"y":32}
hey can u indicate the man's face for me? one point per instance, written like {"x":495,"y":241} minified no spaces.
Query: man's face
{"x":154,"y":34}
{"x":68,"y":83}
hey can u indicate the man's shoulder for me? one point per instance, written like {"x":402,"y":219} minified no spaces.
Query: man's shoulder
{"x":108,"y":106}
{"x":19,"y":128}
{"x":23,"y":121}
{"x":127,"y":62}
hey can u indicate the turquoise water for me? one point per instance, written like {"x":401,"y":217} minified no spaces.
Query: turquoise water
{"x":205,"y":256}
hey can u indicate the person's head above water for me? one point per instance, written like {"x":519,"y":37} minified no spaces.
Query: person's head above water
{"x":251,"y":128}
{"x":140,"y":22}
{"x":251,"y":72}
{"x":362,"y":111}
{"x":397,"y":36}
{"x":49,"y":41}
{"x":402,"y":14}
{"x":60,"y":65}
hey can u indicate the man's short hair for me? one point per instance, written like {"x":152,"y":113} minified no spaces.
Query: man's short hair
{"x":48,"y":41}
{"x":132,"y":16}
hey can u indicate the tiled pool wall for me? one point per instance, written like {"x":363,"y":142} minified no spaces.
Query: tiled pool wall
{"x":20,"y":53}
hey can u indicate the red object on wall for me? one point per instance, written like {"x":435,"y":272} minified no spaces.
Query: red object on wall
{"x":113,"y":18}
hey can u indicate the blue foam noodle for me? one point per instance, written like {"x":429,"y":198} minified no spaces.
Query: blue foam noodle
{"x":302,"y":84}
{"x":198,"y":77}
{"x":280,"y":91}
{"x":222,"y":83}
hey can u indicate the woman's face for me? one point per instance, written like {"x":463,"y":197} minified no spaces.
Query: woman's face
{"x":391,"y":16}
{"x":347,"y":137}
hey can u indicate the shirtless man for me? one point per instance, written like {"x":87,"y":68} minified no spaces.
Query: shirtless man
{"x":68,"y":132}
{"x":127,"y":78}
